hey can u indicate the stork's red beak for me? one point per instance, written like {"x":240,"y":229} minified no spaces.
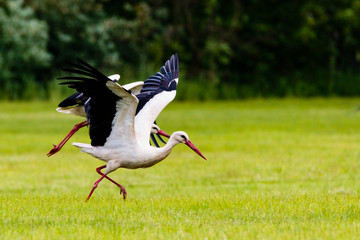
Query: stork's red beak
{"x":162,"y":133}
{"x":192,"y":146}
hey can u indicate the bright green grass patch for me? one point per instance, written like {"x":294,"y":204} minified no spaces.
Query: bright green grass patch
{"x":276,"y":169}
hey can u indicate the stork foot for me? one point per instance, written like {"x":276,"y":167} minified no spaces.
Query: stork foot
{"x":94,"y":187}
{"x":54,"y":150}
{"x":123,"y":191}
{"x":92,"y":190}
{"x":58,"y":147}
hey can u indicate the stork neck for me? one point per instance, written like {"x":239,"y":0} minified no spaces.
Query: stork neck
{"x":155,"y":155}
{"x":166,"y":150}
{"x":158,"y":154}
{"x":171,"y":143}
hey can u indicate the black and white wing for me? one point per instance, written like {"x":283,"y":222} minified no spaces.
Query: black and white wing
{"x":75,"y":104}
{"x":157,"y":92}
{"x":112,"y":108}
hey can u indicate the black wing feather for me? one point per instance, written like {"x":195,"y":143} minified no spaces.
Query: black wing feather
{"x":160,"y":138}
{"x":102,"y":105}
{"x":154,"y":140}
{"x":76,"y":99}
{"x":160,"y":81}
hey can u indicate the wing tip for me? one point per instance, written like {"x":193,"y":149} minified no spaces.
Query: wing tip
{"x":175,"y":64}
{"x":171,"y":66}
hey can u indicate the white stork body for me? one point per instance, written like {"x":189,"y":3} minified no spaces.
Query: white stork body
{"x":132,"y":156}
{"x":120,"y":122}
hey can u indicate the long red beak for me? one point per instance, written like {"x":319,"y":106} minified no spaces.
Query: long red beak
{"x":192,"y":146}
{"x":162,"y":133}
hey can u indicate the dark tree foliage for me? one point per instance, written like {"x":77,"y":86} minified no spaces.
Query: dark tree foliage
{"x":227,"y":49}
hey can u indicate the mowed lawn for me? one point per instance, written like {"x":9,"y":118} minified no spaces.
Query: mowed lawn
{"x":276,"y":169}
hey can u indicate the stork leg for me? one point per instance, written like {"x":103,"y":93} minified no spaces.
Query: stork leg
{"x":95,"y":186}
{"x":76,"y":128}
{"x":103,"y":175}
{"x":122,"y":189}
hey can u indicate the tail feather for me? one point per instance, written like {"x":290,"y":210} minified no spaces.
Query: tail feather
{"x":84,"y":147}
{"x":78,"y":110}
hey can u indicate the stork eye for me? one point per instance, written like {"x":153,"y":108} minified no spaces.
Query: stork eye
{"x":183,"y":136}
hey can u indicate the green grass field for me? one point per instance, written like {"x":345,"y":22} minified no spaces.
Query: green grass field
{"x":276,"y":169}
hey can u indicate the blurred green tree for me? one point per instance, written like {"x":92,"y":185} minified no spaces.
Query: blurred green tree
{"x":23,"y":48}
{"x":234,"y":48}
{"x":77,"y":28}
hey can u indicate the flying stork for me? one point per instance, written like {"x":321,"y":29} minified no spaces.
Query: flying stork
{"x":79,"y":105}
{"x":120,"y":122}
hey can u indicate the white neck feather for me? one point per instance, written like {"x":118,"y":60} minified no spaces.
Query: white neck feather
{"x":155,"y":155}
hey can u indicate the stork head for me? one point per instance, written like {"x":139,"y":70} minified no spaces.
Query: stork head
{"x":182,"y":137}
{"x":156,"y":130}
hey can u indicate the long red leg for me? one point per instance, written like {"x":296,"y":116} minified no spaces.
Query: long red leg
{"x":57,"y":148}
{"x":122,"y":189}
{"x":95,"y":186}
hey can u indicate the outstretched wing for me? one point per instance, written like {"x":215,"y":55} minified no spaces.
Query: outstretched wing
{"x":112,"y":108}
{"x":157,"y":92}
{"x":78,"y":104}
{"x":134,"y":87}
{"x":74,"y":104}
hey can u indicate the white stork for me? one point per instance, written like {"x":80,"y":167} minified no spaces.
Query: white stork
{"x":79,"y":105}
{"x":120,"y":122}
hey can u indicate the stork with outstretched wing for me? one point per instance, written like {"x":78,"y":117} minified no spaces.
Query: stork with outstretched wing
{"x":121,"y":122}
